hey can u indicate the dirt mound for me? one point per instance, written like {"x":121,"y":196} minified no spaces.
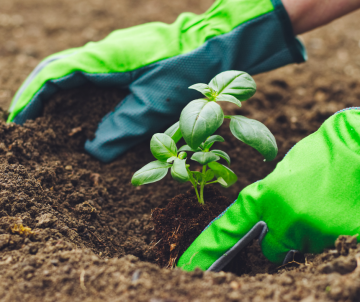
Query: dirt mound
{"x":70,"y":187}
{"x":73,"y":228}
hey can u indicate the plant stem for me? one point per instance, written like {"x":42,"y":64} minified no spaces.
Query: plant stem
{"x":202,"y":185}
{"x":193,"y":181}
{"x":197,"y":192}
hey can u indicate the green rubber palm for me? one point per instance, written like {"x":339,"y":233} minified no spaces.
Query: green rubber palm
{"x":311,"y":198}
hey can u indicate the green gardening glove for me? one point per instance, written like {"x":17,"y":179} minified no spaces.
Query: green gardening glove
{"x":311,"y":198}
{"x":157,"y":62}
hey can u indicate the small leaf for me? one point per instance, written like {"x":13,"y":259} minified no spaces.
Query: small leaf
{"x":182,"y":155}
{"x":224,"y":172}
{"x":222,"y":182}
{"x":188,"y":148}
{"x":211,"y":140}
{"x":197,"y":175}
{"x":209,"y":175}
{"x":162,"y":146}
{"x":171,"y":159}
{"x":222,"y":154}
{"x":150,"y":173}
{"x":200,"y":119}
{"x":228,"y":98}
{"x":254,"y":134}
{"x":174,"y":132}
{"x":204,"y":89}
{"x":179,"y":172}
{"x":238,"y":84}
{"x":204,"y":158}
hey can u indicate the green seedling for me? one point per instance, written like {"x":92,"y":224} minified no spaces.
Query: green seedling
{"x":198,"y":122}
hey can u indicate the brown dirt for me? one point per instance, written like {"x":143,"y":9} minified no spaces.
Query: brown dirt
{"x":178,"y":224}
{"x":91,"y":237}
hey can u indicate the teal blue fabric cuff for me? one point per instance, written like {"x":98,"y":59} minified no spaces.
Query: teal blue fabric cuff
{"x":294,"y":45}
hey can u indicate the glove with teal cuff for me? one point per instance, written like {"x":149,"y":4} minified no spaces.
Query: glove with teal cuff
{"x":311,"y":198}
{"x":157,"y":62}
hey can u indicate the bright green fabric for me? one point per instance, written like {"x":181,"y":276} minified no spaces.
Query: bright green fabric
{"x":147,"y":43}
{"x":310,"y":199}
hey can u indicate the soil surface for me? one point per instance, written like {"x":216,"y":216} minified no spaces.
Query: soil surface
{"x":73,"y":229}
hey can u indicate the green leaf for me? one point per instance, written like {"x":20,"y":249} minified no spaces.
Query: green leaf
{"x":197,"y":175}
{"x":209,"y":175}
{"x":224,"y":172}
{"x":150,"y":173}
{"x":200,"y":119}
{"x":162,"y":146}
{"x":204,"y":89}
{"x":204,"y":158}
{"x":174,"y":132}
{"x":211,"y":140}
{"x":179,"y":172}
{"x":228,"y":98}
{"x":238,"y":84}
{"x":188,"y":148}
{"x":182,"y":155}
{"x":254,"y":134}
{"x":171,"y":159}
{"x":222,"y":154}
{"x":222,"y":182}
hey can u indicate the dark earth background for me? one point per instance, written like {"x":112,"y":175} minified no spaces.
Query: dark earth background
{"x":88,"y":235}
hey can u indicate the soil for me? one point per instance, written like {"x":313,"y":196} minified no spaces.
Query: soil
{"x":74,"y":229}
{"x":182,"y":220}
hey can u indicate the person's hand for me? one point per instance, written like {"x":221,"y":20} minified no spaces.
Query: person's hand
{"x":158,"y":62}
{"x":310,"y":199}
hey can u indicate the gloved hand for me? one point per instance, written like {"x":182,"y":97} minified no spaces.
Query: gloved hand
{"x":311,"y":198}
{"x":158,"y":62}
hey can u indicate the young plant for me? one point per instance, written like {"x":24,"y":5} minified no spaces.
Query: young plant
{"x":198,"y":122}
